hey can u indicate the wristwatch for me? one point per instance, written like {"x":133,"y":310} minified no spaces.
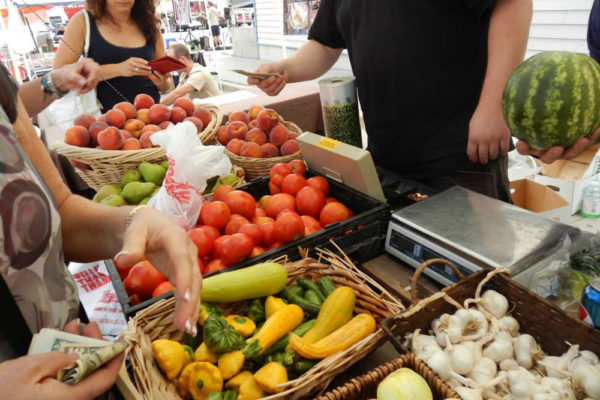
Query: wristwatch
{"x":49,"y":87}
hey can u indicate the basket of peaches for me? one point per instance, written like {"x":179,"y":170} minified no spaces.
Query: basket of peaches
{"x":102,"y":149}
{"x":259,"y":139}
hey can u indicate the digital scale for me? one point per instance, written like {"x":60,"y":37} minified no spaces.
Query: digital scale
{"x":473,"y":232}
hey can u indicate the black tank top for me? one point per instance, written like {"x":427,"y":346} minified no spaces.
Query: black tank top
{"x":104,"y":52}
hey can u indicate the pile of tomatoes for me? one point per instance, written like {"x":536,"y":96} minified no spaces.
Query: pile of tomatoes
{"x":234,"y":226}
{"x":143,"y":281}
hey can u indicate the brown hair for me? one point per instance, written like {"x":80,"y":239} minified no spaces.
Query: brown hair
{"x":180,"y":50}
{"x":142,"y":14}
{"x":8,"y":94}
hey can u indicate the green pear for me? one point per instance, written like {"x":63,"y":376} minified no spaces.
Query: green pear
{"x":134,"y":192}
{"x":230,"y":179}
{"x":113,"y":200}
{"x":145,"y":200}
{"x":165,"y":164}
{"x":152,"y":173}
{"x":106,"y":191}
{"x":131,"y":175}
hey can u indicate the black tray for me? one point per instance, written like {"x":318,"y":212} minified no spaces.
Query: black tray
{"x":361,"y":237}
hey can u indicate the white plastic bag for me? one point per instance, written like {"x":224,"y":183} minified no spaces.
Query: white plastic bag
{"x":191,"y":164}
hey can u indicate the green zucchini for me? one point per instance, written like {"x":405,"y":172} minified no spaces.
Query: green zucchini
{"x":303,"y":365}
{"x":282,"y":343}
{"x":297,"y":290}
{"x":326,"y":285}
{"x":313,"y":297}
{"x":307,"y":306}
{"x":307,"y":284}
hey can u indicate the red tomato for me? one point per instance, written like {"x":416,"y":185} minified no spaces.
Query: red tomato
{"x":215,"y":265}
{"x":334,"y":212}
{"x":278,"y":172}
{"x":274,"y":188}
{"x":202,"y":262}
{"x":122,"y":270}
{"x":261,"y":220}
{"x":311,"y":225}
{"x":162,"y":288}
{"x":259,"y":212}
{"x":298,"y":167}
{"x":253,"y":231}
{"x":310,"y":201}
{"x":211,"y":230}
{"x":220,"y":193}
{"x":215,"y":213}
{"x":236,"y":248}
{"x":218,"y":246}
{"x":235,"y":223}
{"x":275,"y":245}
{"x":256,"y":251}
{"x":262,"y":203}
{"x":268,"y":231}
{"x":240,"y":202}
{"x":318,"y":182}
{"x":280,"y":202}
{"x":331,"y":200}
{"x":143,"y":279}
{"x":203,"y":241}
{"x":293,"y":183}
{"x":134,"y":299}
{"x":288,"y":227}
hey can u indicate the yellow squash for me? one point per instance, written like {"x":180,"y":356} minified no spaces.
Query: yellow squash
{"x":203,"y":353}
{"x":231,"y":363}
{"x":273,"y":304}
{"x":235,"y":382}
{"x":243,"y":325}
{"x":170,"y":356}
{"x":184,"y":380}
{"x":274,"y":328}
{"x":204,"y":379}
{"x":270,"y":376}
{"x":250,"y":390}
{"x":335,"y":311}
{"x":353,"y":331}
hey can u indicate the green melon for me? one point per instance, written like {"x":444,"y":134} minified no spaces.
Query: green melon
{"x":553,"y":99}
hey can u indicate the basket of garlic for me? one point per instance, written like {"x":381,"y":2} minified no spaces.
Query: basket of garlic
{"x":489,"y":338}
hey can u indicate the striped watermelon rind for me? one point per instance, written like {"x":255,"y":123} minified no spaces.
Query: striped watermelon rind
{"x":553,"y":99}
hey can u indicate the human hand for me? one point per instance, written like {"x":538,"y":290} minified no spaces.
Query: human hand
{"x":272,"y":85}
{"x":135,"y":66}
{"x":81,"y":76}
{"x":34,"y":377}
{"x":489,"y":136}
{"x":159,"y":79}
{"x":558,"y":152}
{"x":153,"y":235}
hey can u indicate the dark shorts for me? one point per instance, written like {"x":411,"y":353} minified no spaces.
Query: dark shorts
{"x":216,"y":30}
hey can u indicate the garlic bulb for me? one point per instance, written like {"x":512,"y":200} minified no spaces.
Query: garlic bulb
{"x":438,"y":361}
{"x":468,"y":394}
{"x":526,"y":350}
{"x":420,"y":341}
{"x":461,"y":358}
{"x":509,"y":325}
{"x":559,"y":387}
{"x":508,"y":364}
{"x":474,"y":323}
{"x":447,"y":325}
{"x":586,"y":378}
{"x":475,"y":349}
{"x":484,"y":370}
{"x":584,"y":357}
{"x":501,"y":348}
{"x":495,"y":303}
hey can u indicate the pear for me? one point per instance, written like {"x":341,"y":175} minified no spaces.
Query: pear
{"x":145,"y":200}
{"x":134,"y":192}
{"x":230,"y":179}
{"x":113,"y":200}
{"x":106,"y":191}
{"x":165,"y":165}
{"x":152,"y":173}
{"x":131,"y":175}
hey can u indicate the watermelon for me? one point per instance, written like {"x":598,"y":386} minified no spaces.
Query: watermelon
{"x":553,"y":99}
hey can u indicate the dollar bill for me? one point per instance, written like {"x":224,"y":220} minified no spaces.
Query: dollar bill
{"x":91,"y":358}
{"x":48,"y":340}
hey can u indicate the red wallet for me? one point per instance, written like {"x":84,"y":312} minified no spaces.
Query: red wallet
{"x":166,"y":64}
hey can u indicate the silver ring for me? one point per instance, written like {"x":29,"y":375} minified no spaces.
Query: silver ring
{"x":136,"y":69}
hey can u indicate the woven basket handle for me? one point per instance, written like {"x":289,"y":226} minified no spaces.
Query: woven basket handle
{"x":413,"y":282}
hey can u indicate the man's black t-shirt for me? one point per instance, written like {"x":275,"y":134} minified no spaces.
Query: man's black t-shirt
{"x":419,"y":67}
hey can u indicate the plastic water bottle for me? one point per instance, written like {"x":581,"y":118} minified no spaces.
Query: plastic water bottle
{"x":591,"y":199}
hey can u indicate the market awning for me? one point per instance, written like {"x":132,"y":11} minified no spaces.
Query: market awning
{"x":26,"y":10}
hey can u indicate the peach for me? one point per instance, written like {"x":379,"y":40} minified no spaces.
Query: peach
{"x":159,"y":113}
{"x":95,"y":129}
{"x":80,"y":165}
{"x":125,"y":134}
{"x":239,"y":116}
{"x":77,"y":136}
{"x":150,"y":128}
{"x":127,"y":108}
{"x":143,"y":101}
{"x":253,"y":111}
{"x":142,"y":115}
{"x":116,"y":118}
{"x":253,"y":124}
{"x":164,"y":125}
{"x":222,"y":135}
{"x":185,"y":103}
{"x":237,"y":130}
{"x":278,"y":135}
{"x":134,"y":126}
{"x":84,"y":120}
{"x":145,"y":140}
{"x":251,"y":149}
{"x":101,"y":118}
{"x":269,"y":150}
{"x":178,"y":114}
{"x":289,"y":147}
{"x":235,"y":146}
{"x":203,"y":115}
{"x":131,"y":144}
{"x":292,"y":135}
{"x":256,"y":135}
{"x":110,"y":138}
{"x":196,"y":122}
{"x":267,"y":119}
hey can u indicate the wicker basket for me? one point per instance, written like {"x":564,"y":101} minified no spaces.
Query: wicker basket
{"x":107,"y":166}
{"x":549,"y":325}
{"x":255,"y":167}
{"x":365,"y":386}
{"x":156,"y":322}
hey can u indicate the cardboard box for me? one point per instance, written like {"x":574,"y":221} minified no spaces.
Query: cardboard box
{"x":540,"y":199}
{"x":569,"y":177}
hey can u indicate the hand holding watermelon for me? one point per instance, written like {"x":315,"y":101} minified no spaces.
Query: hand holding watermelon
{"x":558,"y":152}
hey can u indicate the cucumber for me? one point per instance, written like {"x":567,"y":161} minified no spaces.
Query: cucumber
{"x":247,"y":283}
{"x":307,"y":306}
{"x":282,"y":343}
{"x":313,"y":297}
{"x":307,"y":284}
{"x":326,"y":285}
{"x":297,"y":290}
{"x":303,"y":365}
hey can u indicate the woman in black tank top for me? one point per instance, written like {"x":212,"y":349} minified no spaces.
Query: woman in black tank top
{"x":124,"y":36}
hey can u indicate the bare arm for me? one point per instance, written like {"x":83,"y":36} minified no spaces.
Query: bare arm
{"x":164,"y":83}
{"x":311,"y":61}
{"x":507,"y":41}
{"x":177,"y":93}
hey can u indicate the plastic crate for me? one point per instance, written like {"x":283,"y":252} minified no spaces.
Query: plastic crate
{"x":361,"y":237}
